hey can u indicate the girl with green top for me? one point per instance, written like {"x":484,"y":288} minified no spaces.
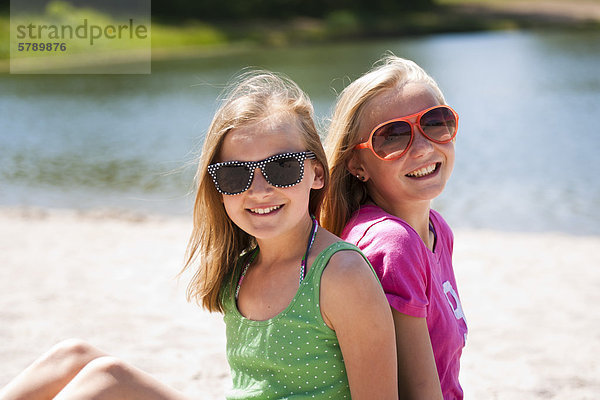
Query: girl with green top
{"x":305,"y":314}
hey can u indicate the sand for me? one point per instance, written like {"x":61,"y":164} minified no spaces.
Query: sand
{"x":531,"y":301}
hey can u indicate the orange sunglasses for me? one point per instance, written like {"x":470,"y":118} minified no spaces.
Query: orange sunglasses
{"x":391,"y":139}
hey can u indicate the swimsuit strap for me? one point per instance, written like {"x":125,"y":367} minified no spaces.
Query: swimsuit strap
{"x":252,"y":257}
{"x":311,"y":240}
{"x":432,"y":229}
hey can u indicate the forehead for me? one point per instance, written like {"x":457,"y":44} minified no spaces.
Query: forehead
{"x":261,"y":139}
{"x":397,"y":102}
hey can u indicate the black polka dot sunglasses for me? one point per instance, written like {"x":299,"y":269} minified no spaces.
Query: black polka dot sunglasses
{"x":281,"y":170}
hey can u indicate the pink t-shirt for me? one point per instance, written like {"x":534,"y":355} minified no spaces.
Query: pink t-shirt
{"x":417,"y":281}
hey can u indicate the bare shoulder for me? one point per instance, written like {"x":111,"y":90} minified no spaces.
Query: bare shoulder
{"x":346,"y":267}
{"x":348,"y":279}
{"x":349,"y":288}
{"x":347,"y":271}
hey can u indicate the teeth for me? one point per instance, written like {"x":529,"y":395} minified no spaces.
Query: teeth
{"x":264,"y":210}
{"x":423,"y":171}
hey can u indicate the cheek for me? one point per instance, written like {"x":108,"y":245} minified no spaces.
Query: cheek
{"x":299,"y":195}
{"x":231,"y":206}
{"x":450,"y":153}
{"x":372,"y":165}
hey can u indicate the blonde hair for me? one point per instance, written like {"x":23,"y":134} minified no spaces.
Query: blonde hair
{"x":346,"y":193}
{"x":216,"y":243}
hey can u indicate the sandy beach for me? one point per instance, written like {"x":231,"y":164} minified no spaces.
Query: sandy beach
{"x":531,"y":301}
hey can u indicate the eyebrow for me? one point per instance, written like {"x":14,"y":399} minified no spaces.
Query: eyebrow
{"x":285,"y":153}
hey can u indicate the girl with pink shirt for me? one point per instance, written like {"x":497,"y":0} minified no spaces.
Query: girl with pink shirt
{"x":391,"y":151}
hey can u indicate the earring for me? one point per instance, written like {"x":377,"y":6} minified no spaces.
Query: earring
{"x":362,"y":178}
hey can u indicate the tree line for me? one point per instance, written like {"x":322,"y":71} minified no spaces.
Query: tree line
{"x":243,"y":9}
{"x":233,"y":10}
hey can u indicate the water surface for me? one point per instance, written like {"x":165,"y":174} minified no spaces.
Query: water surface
{"x":526,"y":149}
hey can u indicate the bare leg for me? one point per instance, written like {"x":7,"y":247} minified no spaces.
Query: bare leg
{"x":111,"y":378}
{"x":50,"y":373}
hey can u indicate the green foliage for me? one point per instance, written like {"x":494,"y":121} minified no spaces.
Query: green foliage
{"x":4,"y":36}
{"x":190,"y":34}
{"x":343,"y":23}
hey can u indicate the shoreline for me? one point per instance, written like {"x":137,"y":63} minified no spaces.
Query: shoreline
{"x":184,"y":215}
{"x":111,"y":279}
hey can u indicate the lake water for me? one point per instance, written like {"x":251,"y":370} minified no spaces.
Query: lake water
{"x":529,"y":133}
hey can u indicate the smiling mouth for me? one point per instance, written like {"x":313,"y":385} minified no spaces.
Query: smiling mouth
{"x":421,"y":172}
{"x":263,"y":211}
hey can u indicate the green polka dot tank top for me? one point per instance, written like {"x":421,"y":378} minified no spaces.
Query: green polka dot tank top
{"x":293,"y":355}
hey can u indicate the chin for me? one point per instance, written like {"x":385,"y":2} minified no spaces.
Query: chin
{"x":264,"y":230}
{"x":429,"y":194}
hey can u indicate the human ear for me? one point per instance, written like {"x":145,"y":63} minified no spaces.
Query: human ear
{"x":319,"y":172}
{"x":355,"y":166}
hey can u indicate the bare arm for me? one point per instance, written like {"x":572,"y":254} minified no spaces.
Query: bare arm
{"x":417,"y":374}
{"x":354,"y":305}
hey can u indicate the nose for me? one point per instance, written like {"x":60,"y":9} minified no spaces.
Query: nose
{"x":421,"y":146}
{"x":259,"y":185}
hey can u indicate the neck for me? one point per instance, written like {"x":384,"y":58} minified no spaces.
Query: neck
{"x":289,"y":247}
{"x":414,"y":213}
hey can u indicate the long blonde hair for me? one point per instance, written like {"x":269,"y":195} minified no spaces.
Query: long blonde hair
{"x":346,"y":193}
{"x":216,"y":243}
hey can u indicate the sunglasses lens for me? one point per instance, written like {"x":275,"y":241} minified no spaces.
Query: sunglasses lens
{"x":283,"y":172}
{"x":439,"y":124}
{"x":391,"y":139}
{"x":233,"y":179}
